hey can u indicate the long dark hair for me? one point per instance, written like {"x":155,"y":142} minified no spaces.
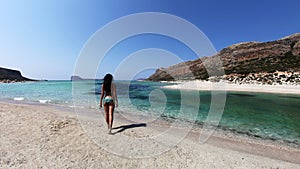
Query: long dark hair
{"x":107,"y":82}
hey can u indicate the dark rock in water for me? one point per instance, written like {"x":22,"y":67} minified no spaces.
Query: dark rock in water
{"x":241,"y":60}
{"x":9,"y":75}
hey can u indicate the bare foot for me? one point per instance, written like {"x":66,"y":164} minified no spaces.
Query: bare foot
{"x":109,"y":130}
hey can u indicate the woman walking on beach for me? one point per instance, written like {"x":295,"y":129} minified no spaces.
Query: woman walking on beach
{"x":108,"y":92}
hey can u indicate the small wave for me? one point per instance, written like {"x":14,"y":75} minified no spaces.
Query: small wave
{"x":19,"y":98}
{"x":79,"y":107}
{"x":44,"y":101}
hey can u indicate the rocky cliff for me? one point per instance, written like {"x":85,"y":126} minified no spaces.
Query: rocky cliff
{"x":239,"y":60}
{"x":9,"y":75}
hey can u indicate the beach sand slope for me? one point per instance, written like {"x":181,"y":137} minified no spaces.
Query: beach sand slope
{"x":34,"y":136}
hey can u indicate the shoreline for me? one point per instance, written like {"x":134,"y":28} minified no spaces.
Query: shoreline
{"x":225,"y":86}
{"x":167,"y":119}
{"x":59,"y":131}
{"x":161,"y":121}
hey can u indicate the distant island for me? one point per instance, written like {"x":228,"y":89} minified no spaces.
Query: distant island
{"x":10,"y":76}
{"x":78,"y":78}
{"x":274,"y":62}
{"x":75,"y":78}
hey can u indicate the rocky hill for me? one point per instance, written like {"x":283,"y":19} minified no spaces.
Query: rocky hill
{"x":9,"y":75}
{"x":76,"y":78}
{"x":240,"y":60}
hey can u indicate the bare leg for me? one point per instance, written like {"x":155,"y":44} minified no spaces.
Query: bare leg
{"x":106,"y":110}
{"x":111,"y":117}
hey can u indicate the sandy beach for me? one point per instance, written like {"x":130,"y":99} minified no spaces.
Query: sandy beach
{"x":187,"y":84}
{"x":45,"y":136}
{"x":223,"y":86}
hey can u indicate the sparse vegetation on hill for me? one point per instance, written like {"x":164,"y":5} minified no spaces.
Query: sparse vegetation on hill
{"x":240,"y":60}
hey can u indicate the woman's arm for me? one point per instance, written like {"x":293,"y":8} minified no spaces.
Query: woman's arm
{"x":114,"y":94}
{"x":102,"y":95}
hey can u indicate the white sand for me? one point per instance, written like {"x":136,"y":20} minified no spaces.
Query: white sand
{"x":41,"y":136}
{"x":205,"y":85}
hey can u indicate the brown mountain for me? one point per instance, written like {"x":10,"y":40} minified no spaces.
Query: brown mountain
{"x":239,"y":59}
{"x":9,"y":75}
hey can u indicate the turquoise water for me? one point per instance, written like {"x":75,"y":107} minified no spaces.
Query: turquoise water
{"x":268,"y":116}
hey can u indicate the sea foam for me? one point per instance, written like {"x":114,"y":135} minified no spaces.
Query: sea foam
{"x":18,"y":98}
{"x":44,"y":101}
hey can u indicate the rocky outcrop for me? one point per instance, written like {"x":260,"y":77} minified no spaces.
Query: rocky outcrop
{"x":9,"y":75}
{"x":76,"y":78}
{"x":275,"y":78}
{"x":239,"y":60}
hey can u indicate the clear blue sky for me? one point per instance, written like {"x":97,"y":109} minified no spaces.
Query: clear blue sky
{"x":43,"y":38}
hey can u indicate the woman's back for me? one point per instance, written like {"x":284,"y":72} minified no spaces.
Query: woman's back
{"x":107,"y":90}
{"x":107,"y":84}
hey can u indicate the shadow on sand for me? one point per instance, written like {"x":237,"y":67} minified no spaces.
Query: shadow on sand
{"x":130,"y":126}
